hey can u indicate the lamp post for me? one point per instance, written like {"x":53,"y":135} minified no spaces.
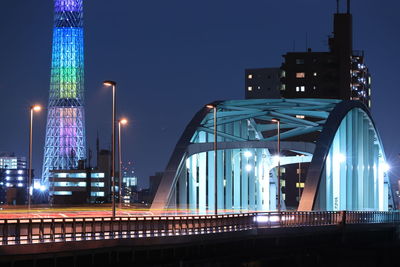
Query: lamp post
{"x":122,"y":121}
{"x":113,"y":84}
{"x":32,"y":109}
{"x":278,"y":122}
{"x":214,"y":107}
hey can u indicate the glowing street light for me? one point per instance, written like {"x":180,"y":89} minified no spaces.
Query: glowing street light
{"x":248,"y":154}
{"x":34,"y":108}
{"x":122,"y":121}
{"x":214,"y":107}
{"x":278,"y":122}
{"x":248,"y":167}
{"x":113,"y":85}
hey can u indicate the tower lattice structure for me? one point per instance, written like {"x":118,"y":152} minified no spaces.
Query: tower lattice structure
{"x":65,"y":142}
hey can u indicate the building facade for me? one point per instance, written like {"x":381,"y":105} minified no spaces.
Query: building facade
{"x":77,"y":187}
{"x":340,"y":73}
{"x":13,"y":186}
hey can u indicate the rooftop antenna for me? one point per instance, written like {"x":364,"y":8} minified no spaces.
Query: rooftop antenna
{"x":348,"y":6}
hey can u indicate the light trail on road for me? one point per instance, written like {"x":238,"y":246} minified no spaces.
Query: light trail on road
{"x":21,"y":212}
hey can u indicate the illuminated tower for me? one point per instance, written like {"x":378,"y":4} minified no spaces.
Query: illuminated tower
{"x":65,"y":132}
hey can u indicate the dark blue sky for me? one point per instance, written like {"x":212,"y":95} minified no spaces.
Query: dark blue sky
{"x":172,"y":57}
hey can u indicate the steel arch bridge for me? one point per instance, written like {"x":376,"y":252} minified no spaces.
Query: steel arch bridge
{"x":347,"y":166}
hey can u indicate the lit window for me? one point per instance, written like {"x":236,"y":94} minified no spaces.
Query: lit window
{"x":300,"y":185}
{"x":314,"y":87}
{"x":20,"y":178}
{"x":250,"y":88}
{"x":20,"y":184}
{"x":63,"y":193}
{"x":283,"y":87}
{"x":250,"y":76}
{"x":315,"y":74}
{"x":98,"y":184}
{"x":283,"y":183}
{"x":300,"y":116}
{"x":20,"y":171}
{"x":302,"y":88}
{"x":258,"y":87}
{"x":300,"y":75}
{"x":97,"y":194}
{"x":8,"y":178}
{"x":297,"y":88}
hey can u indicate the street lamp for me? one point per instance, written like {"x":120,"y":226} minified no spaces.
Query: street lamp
{"x":113,"y":84}
{"x":122,"y":121}
{"x":278,"y":122}
{"x":34,"y":108}
{"x":214,"y":107}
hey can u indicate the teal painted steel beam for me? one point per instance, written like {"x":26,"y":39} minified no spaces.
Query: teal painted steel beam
{"x":229,"y":136}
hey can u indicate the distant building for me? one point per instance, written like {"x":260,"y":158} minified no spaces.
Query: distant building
{"x":13,"y":186}
{"x":10,"y":161}
{"x":13,"y":179}
{"x":77,"y":186}
{"x":104,"y":166}
{"x":263,"y":83}
{"x":129,"y":189}
{"x":340,"y":73}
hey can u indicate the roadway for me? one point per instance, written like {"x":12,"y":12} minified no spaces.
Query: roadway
{"x":95,"y":210}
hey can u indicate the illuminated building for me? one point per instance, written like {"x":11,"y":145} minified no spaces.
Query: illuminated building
{"x":13,"y":186}
{"x":65,"y":131}
{"x":340,"y":73}
{"x":10,"y":161}
{"x":76,"y":186}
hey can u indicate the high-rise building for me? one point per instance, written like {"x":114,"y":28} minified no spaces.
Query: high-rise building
{"x":339,"y":73}
{"x":65,"y":131}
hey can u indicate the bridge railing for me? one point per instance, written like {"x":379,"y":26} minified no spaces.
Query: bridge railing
{"x":45,"y":230}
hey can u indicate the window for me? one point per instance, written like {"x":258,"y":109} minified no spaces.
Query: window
{"x":98,"y":184}
{"x":63,"y":193}
{"x":299,"y":61}
{"x":300,"y":75}
{"x":283,"y":87}
{"x":315,"y":74}
{"x":300,"y":88}
{"x":250,"y":76}
{"x":97,"y":194}
{"x":250,"y":88}
{"x":300,"y":185}
{"x":258,"y":87}
{"x":300,"y":116}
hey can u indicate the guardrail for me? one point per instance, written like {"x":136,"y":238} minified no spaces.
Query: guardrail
{"x":45,"y":230}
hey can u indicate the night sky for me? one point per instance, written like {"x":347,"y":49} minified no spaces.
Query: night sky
{"x":170,"y":58}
